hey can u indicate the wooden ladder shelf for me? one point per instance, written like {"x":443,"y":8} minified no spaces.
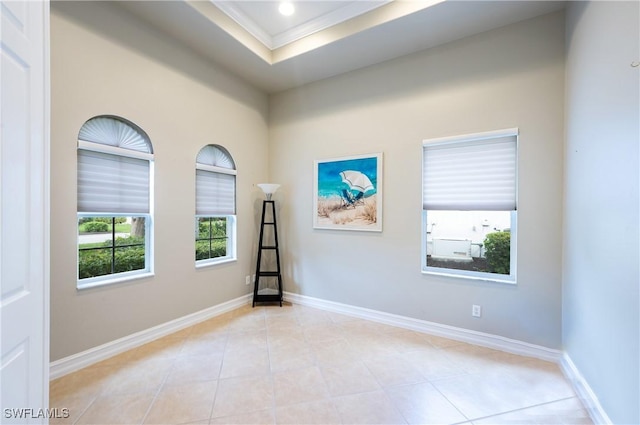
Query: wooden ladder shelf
{"x":268,"y":294}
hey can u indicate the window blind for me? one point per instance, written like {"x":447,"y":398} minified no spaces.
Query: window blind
{"x":215,"y":193}
{"x":112,"y":183}
{"x":112,"y":131}
{"x":467,"y":175}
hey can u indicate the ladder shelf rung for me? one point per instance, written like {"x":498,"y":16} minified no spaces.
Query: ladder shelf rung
{"x":274,"y":274}
{"x":259,"y":298}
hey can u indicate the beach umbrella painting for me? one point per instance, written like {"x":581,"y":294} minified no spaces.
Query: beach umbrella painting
{"x":356,"y":181}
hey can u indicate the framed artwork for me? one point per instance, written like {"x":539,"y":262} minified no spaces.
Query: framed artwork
{"x":347,"y":193}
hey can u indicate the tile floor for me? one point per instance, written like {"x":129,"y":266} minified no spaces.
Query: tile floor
{"x":299,"y":365}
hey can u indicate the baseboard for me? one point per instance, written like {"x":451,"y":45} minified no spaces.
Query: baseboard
{"x":451,"y":332}
{"x":584,"y":391}
{"x":86,"y":358}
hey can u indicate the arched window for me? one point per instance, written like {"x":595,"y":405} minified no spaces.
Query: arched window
{"x":115,"y":174}
{"x":215,"y":222}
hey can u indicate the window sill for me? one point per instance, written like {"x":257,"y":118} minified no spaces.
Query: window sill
{"x":82,"y":285}
{"x":202,"y":264}
{"x":482,"y":277}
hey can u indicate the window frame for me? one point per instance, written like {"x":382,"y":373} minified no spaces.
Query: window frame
{"x":230,"y":169}
{"x":107,"y":279}
{"x":511,"y":278}
{"x":230,"y":237}
{"x":100,"y":147}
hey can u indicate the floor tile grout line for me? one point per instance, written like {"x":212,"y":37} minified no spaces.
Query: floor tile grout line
{"x":451,"y":402}
{"x":158,"y":391}
{"x":95,"y":397}
{"x":215,"y":396}
{"x":533,"y":406}
{"x":271,"y":380}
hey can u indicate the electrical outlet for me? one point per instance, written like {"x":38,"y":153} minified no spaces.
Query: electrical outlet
{"x":476,"y":310}
{"x":247,"y":280}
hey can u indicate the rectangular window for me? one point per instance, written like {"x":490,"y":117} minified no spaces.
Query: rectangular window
{"x":109,"y":245}
{"x":213,"y":238}
{"x":469,"y":206}
{"x":215,"y":222}
{"x":114,"y":220}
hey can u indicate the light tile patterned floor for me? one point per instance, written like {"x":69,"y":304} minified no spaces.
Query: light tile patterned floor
{"x":299,"y":365}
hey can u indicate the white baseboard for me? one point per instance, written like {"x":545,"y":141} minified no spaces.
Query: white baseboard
{"x":584,"y":391}
{"x":86,"y":358}
{"x":451,"y":332}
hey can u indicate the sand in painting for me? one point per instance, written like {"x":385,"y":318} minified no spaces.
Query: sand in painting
{"x":333,"y":212}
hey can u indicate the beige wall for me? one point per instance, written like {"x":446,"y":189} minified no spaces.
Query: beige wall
{"x":601,"y":284}
{"x":509,"y":77}
{"x":103,"y":61}
{"x":106,"y":62}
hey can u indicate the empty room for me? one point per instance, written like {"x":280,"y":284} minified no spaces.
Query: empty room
{"x":349,"y":212}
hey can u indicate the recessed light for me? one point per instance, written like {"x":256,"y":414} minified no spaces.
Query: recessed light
{"x":286,"y":8}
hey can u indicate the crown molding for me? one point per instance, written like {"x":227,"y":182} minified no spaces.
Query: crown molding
{"x":298,"y":32}
{"x":325,"y":21}
{"x":245,"y":22}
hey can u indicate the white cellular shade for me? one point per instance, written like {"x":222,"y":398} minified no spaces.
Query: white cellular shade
{"x":115,"y":132}
{"x":215,"y":193}
{"x":215,"y":156}
{"x":470,"y":175}
{"x":112,"y":183}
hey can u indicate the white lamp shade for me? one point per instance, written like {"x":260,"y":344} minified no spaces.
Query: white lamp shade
{"x":269,"y":189}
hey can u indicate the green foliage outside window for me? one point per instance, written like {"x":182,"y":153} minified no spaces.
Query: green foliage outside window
{"x":96,"y":226}
{"x":97,"y":262}
{"x":211,"y":240}
{"x":104,"y":224}
{"x":498,"y":252}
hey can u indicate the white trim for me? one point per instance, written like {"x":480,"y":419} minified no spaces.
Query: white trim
{"x":46,"y":219}
{"x":584,"y":391}
{"x":210,"y":262}
{"x":459,"y":334}
{"x":245,"y":22}
{"x":113,"y":150}
{"x":335,"y":17}
{"x":111,"y":279}
{"x":507,"y":132}
{"x":215,"y":169}
{"x":93,"y":355}
{"x":328,"y":20}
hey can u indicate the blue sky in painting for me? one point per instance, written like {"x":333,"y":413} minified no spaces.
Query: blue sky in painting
{"x":329,"y":182}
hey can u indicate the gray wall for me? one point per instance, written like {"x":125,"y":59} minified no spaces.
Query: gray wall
{"x":106,"y":62}
{"x":601,"y":257}
{"x":509,"y":77}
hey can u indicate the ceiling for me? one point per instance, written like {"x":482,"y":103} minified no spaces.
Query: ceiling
{"x":273,"y":52}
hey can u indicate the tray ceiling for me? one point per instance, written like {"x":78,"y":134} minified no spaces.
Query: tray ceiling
{"x":323,"y":38}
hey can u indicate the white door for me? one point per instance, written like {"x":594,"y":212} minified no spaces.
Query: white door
{"x":24,"y":211}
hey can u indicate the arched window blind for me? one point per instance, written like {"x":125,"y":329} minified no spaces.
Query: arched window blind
{"x":215,"y":182}
{"x":471,"y":173}
{"x":116,"y":132}
{"x":113,"y":167}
